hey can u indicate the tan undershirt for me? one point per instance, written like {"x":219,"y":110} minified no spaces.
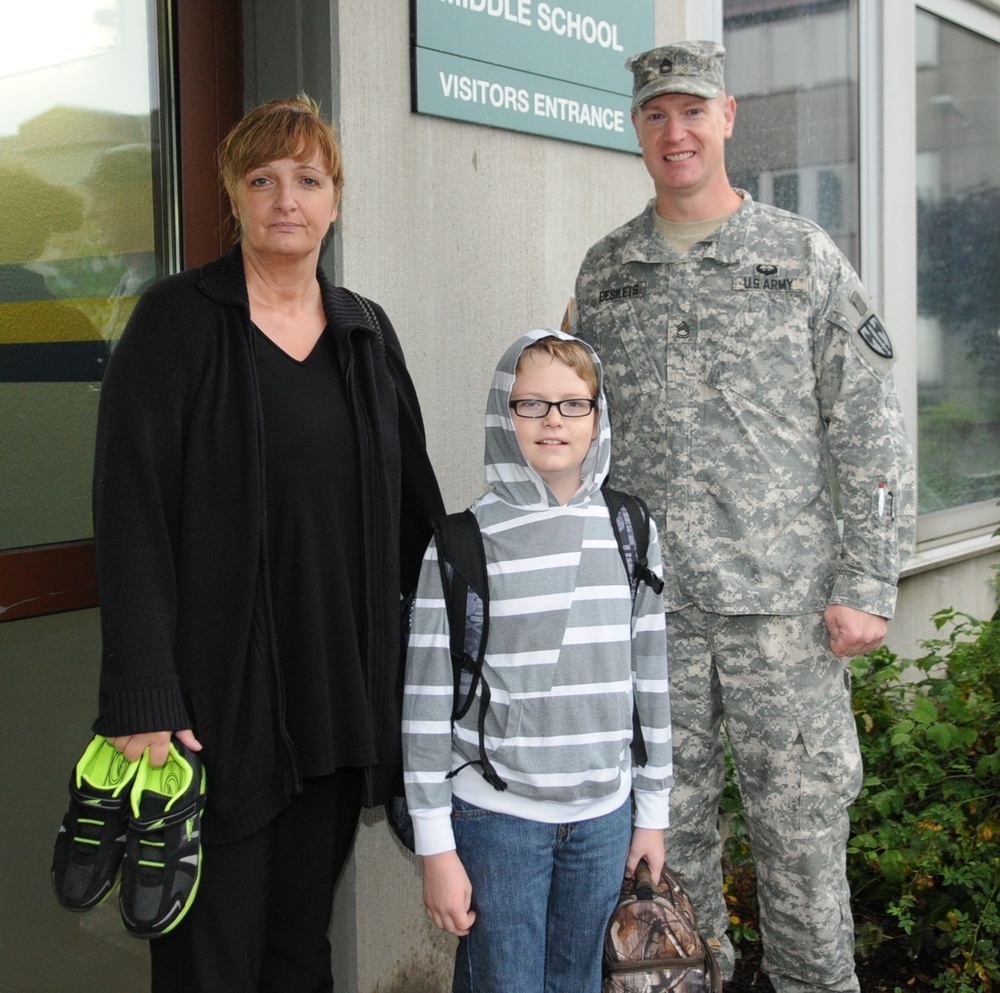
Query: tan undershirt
{"x":681,"y":235}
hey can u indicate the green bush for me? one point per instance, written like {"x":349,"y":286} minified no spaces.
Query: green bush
{"x":924,"y":854}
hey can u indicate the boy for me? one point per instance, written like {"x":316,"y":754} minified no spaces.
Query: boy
{"x":527,"y":874}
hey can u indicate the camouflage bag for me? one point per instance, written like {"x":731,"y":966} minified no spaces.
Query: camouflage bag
{"x":653,"y":944}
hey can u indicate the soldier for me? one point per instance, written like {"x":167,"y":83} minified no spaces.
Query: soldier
{"x":749,"y":386}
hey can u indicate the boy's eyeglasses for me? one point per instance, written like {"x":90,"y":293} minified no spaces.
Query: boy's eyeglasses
{"x":540,"y":408}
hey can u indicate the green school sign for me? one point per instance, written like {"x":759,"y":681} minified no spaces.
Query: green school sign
{"x":556,"y":70}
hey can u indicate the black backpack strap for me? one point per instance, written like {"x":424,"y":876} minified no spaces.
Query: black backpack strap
{"x":463,"y":578}
{"x":630,"y":520}
{"x":464,"y":581}
{"x":630,"y":523}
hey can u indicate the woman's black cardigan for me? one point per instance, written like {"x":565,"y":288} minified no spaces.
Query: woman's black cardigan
{"x":181,"y":536}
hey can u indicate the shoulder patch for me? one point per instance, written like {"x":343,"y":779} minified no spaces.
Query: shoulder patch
{"x":875,"y":336}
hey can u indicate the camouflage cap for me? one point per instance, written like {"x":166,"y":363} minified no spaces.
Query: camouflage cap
{"x":686,"y":67}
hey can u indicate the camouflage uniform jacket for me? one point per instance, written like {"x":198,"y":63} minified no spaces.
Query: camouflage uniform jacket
{"x":749,"y":385}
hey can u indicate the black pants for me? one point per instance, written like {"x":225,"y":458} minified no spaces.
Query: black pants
{"x":260,"y":918}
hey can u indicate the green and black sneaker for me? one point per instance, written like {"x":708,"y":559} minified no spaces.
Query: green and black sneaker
{"x":162,"y":864}
{"x":90,"y":845}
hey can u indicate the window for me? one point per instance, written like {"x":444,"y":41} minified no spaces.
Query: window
{"x":958,"y":257}
{"x":82,"y":192}
{"x":794,"y":67}
{"x":793,"y":70}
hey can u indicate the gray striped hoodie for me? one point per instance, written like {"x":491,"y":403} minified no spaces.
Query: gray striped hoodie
{"x":567,"y":653}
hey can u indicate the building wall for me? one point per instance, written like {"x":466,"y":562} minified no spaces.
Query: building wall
{"x":968,"y":585}
{"x":467,"y":235}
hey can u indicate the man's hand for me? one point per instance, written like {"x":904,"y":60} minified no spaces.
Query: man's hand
{"x":852,"y":631}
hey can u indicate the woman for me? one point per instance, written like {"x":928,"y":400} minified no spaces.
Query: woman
{"x":262,"y":497}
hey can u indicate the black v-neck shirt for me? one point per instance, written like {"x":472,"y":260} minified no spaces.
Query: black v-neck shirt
{"x":314,"y":543}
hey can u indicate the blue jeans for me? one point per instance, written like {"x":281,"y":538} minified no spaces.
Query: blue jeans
{"x":542,"y":894}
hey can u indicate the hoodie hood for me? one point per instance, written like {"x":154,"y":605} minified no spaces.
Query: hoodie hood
{"x":510,"y":477}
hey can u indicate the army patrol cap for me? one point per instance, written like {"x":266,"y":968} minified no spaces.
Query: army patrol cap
{"x":693,"y":67}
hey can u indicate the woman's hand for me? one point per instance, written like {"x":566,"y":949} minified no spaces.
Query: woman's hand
{"x":448,"y":893}
{"x":158,"y":742}
{"x":647,"y":843}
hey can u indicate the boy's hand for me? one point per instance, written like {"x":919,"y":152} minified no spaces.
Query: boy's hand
{"x":448,"y":893}
{"x":647,"y":843}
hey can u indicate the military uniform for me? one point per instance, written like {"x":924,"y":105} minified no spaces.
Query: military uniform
{"x":749,"y":389}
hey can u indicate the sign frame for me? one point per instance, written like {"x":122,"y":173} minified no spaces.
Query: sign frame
{"x":555,"y":70}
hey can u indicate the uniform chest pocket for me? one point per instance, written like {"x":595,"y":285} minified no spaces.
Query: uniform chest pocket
{"x":765,"y":355}
{"x":633,"y":366}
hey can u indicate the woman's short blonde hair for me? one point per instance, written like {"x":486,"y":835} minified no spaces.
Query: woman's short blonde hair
{"x":288,"y":128}
{"x":572,"y":353}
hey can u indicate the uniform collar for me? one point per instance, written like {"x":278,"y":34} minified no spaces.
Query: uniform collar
{"x":644,"y":244}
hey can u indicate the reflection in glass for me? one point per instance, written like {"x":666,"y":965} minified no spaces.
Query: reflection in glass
{"x":33,"y":212}
{"x":792,"y":67}
{"x":120,"y":207}
{"x":75,"y":119}
{"x":786,"y":191}
{"x":78,"y":96}
{"x":958,"y":206}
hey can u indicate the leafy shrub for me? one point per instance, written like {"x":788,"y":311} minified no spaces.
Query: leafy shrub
{"x":924,"y":854}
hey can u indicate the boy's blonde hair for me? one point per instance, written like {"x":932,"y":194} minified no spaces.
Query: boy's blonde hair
{"x":572,"y":353}
{"x":287,"y":128}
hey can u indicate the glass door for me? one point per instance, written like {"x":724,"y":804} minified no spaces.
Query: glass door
{"x":85,"y":183}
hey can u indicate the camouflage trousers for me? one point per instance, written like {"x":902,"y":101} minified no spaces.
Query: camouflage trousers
{"x":784,"y":701}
